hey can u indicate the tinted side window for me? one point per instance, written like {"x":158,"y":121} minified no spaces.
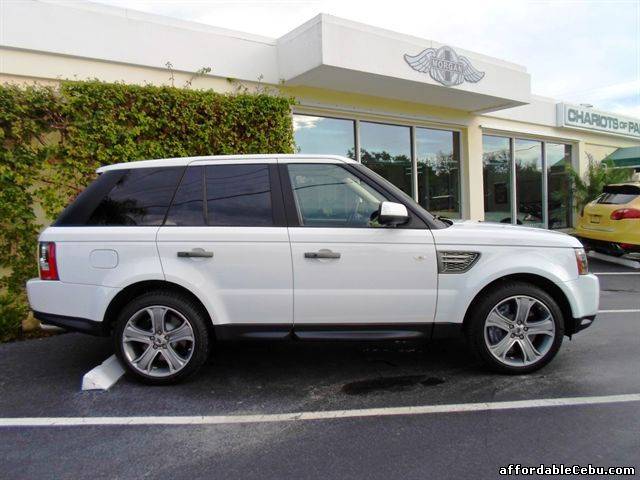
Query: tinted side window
{"x":187,"y":207}
{"x":79,"y":211}
{"x":141,"y":196}
{"x":238,"y":195}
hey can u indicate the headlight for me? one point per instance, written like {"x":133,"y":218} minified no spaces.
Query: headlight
{"x":582,"y":261}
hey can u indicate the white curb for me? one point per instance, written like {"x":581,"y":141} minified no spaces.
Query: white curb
{"x":104,"y":376}
{"x":620,"y":261}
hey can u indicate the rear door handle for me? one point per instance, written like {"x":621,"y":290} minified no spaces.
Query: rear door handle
{"x":196,"y":253}
{"x":324,"y":253}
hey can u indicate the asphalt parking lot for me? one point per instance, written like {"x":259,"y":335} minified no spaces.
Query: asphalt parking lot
{"x":41,"y":378}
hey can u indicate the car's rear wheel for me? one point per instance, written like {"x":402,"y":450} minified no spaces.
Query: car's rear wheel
{"x":516,"y":328}
{"x":161,"y":337}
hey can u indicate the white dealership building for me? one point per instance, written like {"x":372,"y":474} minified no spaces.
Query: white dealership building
{"x":458,"y":130}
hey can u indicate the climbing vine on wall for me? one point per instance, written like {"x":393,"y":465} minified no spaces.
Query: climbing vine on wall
{"x":53,"y":138}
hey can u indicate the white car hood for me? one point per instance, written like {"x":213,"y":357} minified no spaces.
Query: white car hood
{"x":472,"y":232}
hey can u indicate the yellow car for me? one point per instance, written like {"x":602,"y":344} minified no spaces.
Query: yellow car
{"x":611,"y":223}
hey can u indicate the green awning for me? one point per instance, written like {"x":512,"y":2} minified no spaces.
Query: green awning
{"x":624,"y":157}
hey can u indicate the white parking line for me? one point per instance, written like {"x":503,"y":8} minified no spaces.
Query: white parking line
{"x":635,"y":310}
{"x":616,"y":273}
{"x":321,"y":415}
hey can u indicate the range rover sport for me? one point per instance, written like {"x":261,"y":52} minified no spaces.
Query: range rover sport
{"x":171,"y":256}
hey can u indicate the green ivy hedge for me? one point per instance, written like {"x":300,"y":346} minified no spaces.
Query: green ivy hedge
{"x":53,"y":139}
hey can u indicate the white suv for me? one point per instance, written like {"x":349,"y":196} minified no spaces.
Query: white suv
{"x":168,"y":256}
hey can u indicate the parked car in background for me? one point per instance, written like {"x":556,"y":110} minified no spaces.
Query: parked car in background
{"x":171,"y":256}
{"x":611,"y":223}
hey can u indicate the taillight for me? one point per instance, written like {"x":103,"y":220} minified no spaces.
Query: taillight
{"x":581,"y":260}
{"x":47,"y":261}
{"x":625,"y":213}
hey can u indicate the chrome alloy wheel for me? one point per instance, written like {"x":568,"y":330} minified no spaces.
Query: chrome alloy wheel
{"x":519,"y":331}
{"x":158,"y":341}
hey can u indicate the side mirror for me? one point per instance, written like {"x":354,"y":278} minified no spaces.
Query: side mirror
{"x":392,"y":214}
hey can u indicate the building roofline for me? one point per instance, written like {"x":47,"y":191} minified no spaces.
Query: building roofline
{"x":139,"y":15}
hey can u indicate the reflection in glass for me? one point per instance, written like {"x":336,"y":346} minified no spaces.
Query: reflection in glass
{"x":323,"y":135}
{"x":186,"y":209}
{"x":238,"y":195}
{"x":386,"y":149}
{"x":496,"y":164}
{"x":528,"y":157}
{"x":558,"y":181}
{"x":330,"y":196}
{"x":438,"y":156}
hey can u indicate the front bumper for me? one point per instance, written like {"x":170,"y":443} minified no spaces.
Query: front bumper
{"x":578,"y":324}
{"x":584,"y":297}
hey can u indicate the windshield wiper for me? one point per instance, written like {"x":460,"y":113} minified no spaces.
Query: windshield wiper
{"x":446,"y":220}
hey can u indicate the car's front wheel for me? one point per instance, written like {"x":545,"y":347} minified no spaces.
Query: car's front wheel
{"x":161,"y":337}
{"x":516,"y":328}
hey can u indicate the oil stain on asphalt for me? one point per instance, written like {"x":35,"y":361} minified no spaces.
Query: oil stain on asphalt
{"x":390,"y":384}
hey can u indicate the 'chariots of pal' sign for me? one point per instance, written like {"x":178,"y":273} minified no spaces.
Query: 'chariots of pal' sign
{"x":589,"y":119}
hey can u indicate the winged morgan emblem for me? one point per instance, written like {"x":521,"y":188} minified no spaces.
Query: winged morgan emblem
{"x":445,"y":66}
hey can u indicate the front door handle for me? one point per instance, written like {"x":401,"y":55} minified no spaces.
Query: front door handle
{"x":324,"y":253}
{"x":196,"y":253}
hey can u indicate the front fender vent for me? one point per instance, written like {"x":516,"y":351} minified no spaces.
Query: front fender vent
{"x":456,"y":261}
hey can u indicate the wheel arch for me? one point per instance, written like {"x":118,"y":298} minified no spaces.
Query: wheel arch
{"x":544,"y":283}
{"x":133,"y":290}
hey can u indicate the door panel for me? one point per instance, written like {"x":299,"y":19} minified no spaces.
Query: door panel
{"x":347,"y":268}
{"x":382,"y":276}
{"x":227,"y":242}
{"x":247,"y":280}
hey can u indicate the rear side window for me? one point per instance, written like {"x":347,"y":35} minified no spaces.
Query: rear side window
{"x":135,"y":197}
{"x":619,"y":194}
{"x":238,"y":195}
{"x":187,"y":208}
{"x":223,"y":196}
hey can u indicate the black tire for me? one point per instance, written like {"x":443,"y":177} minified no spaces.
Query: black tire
{"x":475,"y":330}
{"x":190,"y":310}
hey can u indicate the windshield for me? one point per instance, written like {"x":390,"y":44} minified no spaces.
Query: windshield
{"x":438,"y":221}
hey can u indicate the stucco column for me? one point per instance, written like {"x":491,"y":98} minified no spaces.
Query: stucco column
{"x":580,"y":160}
{"x":472,"y":172}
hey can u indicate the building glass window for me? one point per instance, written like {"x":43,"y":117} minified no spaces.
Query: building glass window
{"x":438,"y":157}
{"x":496,"y":165}
{"x":558,"y":181}
{"x":539,"y":203}
{"x":323,"y":135}
{"x":386,"y":149}
{"x":528,"y":162}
